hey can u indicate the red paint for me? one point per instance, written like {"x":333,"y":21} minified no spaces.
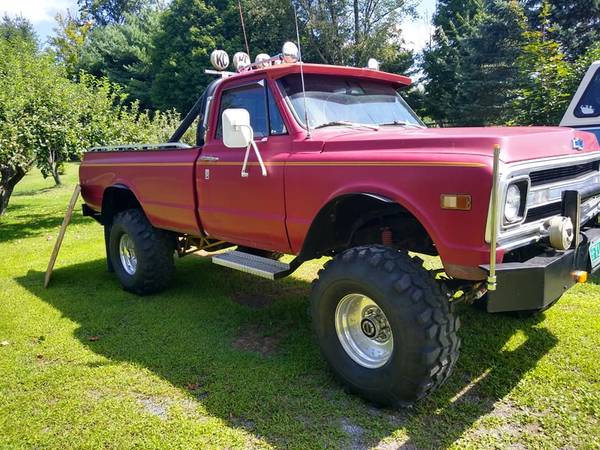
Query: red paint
{"x":411,"y":166}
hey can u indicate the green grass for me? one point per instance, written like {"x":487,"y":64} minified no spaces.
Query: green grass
{"x":84,"y":364}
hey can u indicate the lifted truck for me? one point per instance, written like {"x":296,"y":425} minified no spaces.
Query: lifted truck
{"x":316,"y":160}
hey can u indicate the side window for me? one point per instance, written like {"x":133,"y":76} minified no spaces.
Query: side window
{"x":276,"y":125}
{"x":252,"y":98}
{"x":589,"y":104}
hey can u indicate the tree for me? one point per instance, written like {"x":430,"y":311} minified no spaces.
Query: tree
{"x":190,"y":30}
{"x":445,"y":60}
{"x":69,"y":39}
{"x":46,"y":118}
{"x":546,"y":86}
{"x":122,"y":53}
{"x":20,"y":69}
{"x":575,"y":25}
{"x":17,"y":28}
{"x":350,"y":31}
{"x":471,"y":75}
{"x":104,"y":12}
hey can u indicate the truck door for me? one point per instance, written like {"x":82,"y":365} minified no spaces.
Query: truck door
{"x":245,"y":210}
{"x":584,"y":111}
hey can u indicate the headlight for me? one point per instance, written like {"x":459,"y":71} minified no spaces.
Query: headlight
{"x":512,"y":207}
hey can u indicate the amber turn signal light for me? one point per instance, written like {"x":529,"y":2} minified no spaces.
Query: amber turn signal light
{"x":456,"y":201}
{"x":580,"y":276}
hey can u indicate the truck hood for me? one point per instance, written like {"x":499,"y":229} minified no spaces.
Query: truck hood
{"x":517,"y":143}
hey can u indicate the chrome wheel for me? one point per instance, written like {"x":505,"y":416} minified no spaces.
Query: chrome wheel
{"x":127,"y":254}
{"x":364,"y":331}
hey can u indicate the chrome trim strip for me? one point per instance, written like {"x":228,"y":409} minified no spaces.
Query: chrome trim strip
{"x":510,"y":172}
{"x":130,"y":147}
{"x":572,"y":184}
{"x":524,"y":167}
{"x":535,"y":231}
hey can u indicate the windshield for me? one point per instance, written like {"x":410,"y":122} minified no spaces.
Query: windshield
{"x":332,"y":100}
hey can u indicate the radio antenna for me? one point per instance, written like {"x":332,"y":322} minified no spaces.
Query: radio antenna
{"x":308,"y":134}
{"x":243,"y":28}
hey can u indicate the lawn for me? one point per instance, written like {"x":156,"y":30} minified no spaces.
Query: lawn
{"x":224,"y":359}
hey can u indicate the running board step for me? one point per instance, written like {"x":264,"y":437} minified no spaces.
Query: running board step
{"x":255,"y":265}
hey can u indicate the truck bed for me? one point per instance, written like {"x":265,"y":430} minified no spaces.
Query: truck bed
{"x":171,"y":205}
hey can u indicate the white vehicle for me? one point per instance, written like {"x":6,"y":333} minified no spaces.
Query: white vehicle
{"x":584,"y":111}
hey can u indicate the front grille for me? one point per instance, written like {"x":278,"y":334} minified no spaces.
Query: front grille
{"x":562,"y":173}
{"x":544,"y":211}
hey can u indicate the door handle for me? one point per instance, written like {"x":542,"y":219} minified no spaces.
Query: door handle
{"x":209,"y":158}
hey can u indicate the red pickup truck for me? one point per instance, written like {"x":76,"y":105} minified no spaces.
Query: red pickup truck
{"x":315,"y":160}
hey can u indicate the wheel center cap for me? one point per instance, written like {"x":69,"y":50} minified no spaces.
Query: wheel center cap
{"x":368,"y":327}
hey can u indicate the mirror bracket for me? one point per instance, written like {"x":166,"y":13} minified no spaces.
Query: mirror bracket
{"x":263,"y":168}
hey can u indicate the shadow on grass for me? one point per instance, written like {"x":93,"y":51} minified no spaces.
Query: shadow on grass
{"x":24,"y":225}
{"x":31,"y":192}
{"x":281,"y":392}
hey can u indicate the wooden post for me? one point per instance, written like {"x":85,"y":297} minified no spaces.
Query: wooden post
{"x":61,"y":234}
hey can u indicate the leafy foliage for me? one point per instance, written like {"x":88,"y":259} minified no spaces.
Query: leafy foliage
{"x":190,"y":30}
{"x":546,"y":85}
{"x":349,"y":32}
{"x":104,"y":12}
{"x":122,"y":53}
{"x":470,"y":71}
{"x":17,"y":28}
{"x":70,"y":36}
{"x":47,"y":119}
{"x":575,"y":24}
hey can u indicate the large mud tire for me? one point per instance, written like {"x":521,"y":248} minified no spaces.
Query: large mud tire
{"x":422,"y":321}
{"x":153,"y":250}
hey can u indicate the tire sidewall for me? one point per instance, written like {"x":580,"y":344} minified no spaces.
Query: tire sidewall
{"x":377,"y":382}
{"x":118,"y":229}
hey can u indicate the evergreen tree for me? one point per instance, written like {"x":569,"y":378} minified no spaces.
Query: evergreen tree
{"x":190,"y":31}
{"x":575,"y":24}
{"x":471,"y":75}
{"x":444,"y":62}
{"x":122,"y":52}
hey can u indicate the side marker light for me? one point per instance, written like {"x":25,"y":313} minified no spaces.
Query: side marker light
{"x":456,"y":201}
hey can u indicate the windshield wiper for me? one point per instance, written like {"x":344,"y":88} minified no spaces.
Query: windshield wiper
{"x":344,"y":123}
{"x":400,"y":123}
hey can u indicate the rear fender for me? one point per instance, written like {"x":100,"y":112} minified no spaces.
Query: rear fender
{"x":115,"y":199}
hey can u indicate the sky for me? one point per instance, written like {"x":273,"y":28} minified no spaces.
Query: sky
{"x":41,"y":14}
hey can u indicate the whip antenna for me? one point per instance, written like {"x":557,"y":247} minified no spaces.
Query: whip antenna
{"x":301,"y":71}
{"x":243,"y":27}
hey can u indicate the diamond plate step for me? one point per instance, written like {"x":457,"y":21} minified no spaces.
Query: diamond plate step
{"x":255,"y":265}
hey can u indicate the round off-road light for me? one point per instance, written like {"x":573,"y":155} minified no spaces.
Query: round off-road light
{"x":261,"y":60}
{"x":290,"y":52}
{"x":512,"y":206}
{"x":219,"y":59}
{"x":373,"y":64}
{"x":561,"y":233}
{"x":241,"y":60}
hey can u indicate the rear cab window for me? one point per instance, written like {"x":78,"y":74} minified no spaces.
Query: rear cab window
{"x":589,"y":104}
